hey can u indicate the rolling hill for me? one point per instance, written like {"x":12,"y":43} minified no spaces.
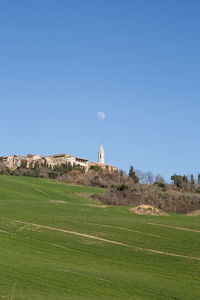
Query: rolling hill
{"x":56,"y":243}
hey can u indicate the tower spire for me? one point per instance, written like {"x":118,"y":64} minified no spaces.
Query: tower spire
{"x":101,"y":155}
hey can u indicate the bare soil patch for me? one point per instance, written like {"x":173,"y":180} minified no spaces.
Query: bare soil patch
{"x":195,"y":213}
{"x":57,"y":201}
{"x":101,"y":206}
{"x":147,"y":210}
{"x":82,"y":195}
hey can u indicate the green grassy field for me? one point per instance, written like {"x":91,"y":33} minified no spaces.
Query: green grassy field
{"x":56,"y":243}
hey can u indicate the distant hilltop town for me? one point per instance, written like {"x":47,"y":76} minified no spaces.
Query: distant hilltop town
{"x":15,"y":161}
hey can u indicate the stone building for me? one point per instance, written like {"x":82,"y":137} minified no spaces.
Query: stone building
{"x":11,"y":161}
{"x":31,"y":159}
{"x":101,"y":162}
{"x":14,"y":161}
{"x":101,"y":156}
{"x":66,"y":158}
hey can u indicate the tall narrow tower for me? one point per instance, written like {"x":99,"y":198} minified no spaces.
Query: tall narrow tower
{"x":101,"y":155}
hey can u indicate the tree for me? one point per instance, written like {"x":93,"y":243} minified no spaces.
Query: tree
{"x":121,"y":173}
{"x":123,"y":187}
{"x":23,"y":164}
{"x":177,"y":180}
{"x":199,"y":180}
{"x":181,"y":182}
{"x":192,"y":182}
{"x":133,"y":175}
{"x":149,"y":178}
{"x":140,"y":175}
{"x":36,"y":166}
{"x":96,"y":168}
{"x":159,"y":179}
{"x":45,"y":164}
{"x":31,"y":165}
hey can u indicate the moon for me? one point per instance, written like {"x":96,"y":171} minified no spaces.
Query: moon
{"x":101,"y":115}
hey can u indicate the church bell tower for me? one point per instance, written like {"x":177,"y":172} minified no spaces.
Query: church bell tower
{"x":101,"y":155}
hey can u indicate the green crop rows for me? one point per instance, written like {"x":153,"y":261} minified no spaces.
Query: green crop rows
{"x":57,"y":243}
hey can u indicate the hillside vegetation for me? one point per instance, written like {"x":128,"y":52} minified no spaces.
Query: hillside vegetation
{"x":181,"y":196}
{"x":57,"y":243}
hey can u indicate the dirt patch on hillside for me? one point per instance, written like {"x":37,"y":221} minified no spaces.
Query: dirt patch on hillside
{"x":82,"y":195}
{"x":195,"y":213}
{"x":94,"y":205}
{"x":147,"y":210}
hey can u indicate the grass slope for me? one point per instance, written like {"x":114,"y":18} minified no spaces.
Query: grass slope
{"x":115,"y":261}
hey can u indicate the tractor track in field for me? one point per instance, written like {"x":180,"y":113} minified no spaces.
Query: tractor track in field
{"x":107,"y":240}
{"x":3,"y":231}
{"x":121,"y":228}
{"x":174,"y":227}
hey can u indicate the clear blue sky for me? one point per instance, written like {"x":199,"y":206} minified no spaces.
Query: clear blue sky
{"x":138,"y":61}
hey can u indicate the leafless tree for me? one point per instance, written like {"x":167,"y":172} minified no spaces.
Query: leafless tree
{"x":149,"y":178}
{"x":159,"y":179}
{"x":140,"y":175}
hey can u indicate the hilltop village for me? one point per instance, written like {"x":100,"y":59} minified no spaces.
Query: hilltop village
{"x":15,"y":161}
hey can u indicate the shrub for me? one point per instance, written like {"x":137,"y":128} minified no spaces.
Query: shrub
{"x":122,"y":187}
{"x":160,"y":184}
{"x":96,"y":168}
